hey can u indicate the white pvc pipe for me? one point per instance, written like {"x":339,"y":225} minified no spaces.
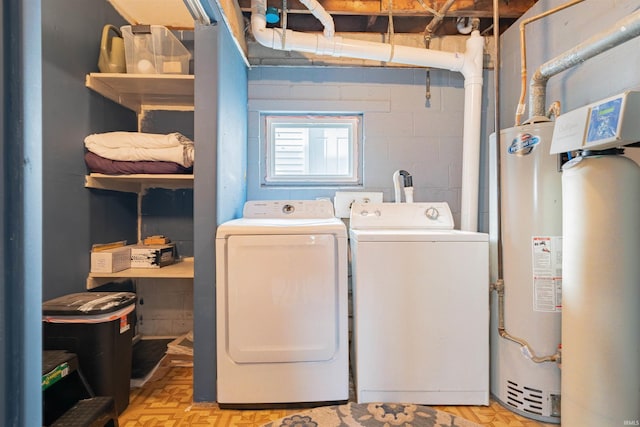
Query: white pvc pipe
{"x":464,"y":25}
{"x":471,"y":133}
{"x":318,"y":11}
{"x":469,"y":64}
{"x":351,"y":48}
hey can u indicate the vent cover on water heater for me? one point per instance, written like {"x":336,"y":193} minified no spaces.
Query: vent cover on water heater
{"x":525,"y":398}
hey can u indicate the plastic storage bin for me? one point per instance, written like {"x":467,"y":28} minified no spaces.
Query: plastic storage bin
{"x":153,"y":49}
{"x":98,"y":328}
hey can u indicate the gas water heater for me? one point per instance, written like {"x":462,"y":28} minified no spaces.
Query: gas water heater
{"x":526,"y":305}
{"x":601,"y":265}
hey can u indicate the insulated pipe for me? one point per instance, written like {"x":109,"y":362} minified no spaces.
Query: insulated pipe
{"x":624,"y":30}
{"x":523,"y":54}
{"x":469,"y":64}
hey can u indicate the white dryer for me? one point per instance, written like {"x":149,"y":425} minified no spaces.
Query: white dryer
{"x":421,"y":306}
{"x":281,"y":291}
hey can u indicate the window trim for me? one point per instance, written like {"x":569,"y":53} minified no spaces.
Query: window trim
{"x":268,"y":150}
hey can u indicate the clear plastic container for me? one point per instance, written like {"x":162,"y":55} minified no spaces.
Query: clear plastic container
{"x":153,"y":49}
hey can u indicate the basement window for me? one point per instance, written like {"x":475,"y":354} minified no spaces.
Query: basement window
{"x":312,"y":149}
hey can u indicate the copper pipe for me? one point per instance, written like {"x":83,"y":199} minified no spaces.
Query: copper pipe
{"x":523,"y":55}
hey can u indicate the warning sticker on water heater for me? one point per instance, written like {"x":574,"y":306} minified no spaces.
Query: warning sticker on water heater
{"x":547,"y":273}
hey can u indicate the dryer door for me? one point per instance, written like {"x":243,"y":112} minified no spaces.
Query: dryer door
{"x":281,"y":298}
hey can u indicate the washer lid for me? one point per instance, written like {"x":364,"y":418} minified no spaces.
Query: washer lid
{"x":416,"y":235}
{"x":285,"y":217}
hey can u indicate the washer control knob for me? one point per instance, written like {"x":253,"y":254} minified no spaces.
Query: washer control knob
{"x":288,"y":209}
{"x":432,"y":213}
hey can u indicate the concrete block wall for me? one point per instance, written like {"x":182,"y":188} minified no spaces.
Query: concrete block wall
{"x":402,"y":129}
{"x":165,"y":307}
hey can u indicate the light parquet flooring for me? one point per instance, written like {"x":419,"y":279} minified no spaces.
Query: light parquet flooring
{"x":166,"y":401}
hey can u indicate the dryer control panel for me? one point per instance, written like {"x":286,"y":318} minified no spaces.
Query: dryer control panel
{"x":290,"y":209}
{"x":425,"y":215}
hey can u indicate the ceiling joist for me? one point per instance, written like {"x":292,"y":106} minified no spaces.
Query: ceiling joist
{"x":466,"y":8}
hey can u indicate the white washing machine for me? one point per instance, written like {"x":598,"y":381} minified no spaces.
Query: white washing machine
{"x":281,"y":291}
{"x":421,"y":306}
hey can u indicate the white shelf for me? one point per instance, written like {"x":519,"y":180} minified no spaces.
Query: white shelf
{"x":182,"y":269}
{"x":137,"y":183}
{"x":140,"y":92}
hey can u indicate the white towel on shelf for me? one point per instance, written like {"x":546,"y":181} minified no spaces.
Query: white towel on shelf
{"x":136,"y":146}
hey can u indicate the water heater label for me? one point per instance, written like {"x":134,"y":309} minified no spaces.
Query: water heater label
{"x":523,"y":144}
{"x":547,"y":273}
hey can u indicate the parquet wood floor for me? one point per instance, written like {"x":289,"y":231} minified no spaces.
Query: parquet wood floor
{"x":166,"y":401}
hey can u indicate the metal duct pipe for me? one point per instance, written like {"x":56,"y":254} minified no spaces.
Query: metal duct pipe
{"x":469,"y":64}
{"x":624,"y":30}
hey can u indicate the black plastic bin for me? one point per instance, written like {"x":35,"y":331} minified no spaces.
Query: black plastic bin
{"x":98,"y":328}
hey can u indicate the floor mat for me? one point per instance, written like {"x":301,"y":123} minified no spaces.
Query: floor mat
{"x":146,"y":356}
{"x":372,"y":415}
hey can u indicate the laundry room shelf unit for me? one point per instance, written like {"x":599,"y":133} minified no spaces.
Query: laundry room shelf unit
{"x":182,"y":269}
{"x":138,"y":183}
{"x":141,"y":93}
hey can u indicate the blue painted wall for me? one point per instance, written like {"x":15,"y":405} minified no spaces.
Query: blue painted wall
{"x":220,"y":180}
{"x":74,"y":217}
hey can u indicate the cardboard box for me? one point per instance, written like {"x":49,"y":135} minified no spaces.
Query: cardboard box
{"x":152,"y":256}
{"x":111,"y":260}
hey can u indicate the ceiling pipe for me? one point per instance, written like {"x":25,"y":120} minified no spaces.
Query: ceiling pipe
{"x":438,"y":16}
{"x":622,"y":31}
{"x":463,"y":25}
{"x":318,"y":11}
{"x":470,"y":64}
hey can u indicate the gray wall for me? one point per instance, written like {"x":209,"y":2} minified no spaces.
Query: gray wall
{"x":401,"y":129}
{"x":608,"y":74}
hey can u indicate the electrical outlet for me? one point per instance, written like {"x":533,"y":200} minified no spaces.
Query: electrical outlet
{"x":343,"y":200}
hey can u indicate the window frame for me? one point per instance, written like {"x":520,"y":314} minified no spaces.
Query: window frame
{"x":353,"y":119}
